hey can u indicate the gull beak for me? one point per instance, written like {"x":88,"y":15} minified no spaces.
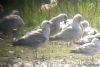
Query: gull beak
{"x":65,"y":21}
{"x":50,"y":23}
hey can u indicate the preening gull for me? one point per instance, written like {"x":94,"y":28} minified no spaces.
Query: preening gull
{"x":35,"y":38}
{"x":64,"y":25}
{"x":71,"y":33}
{"x":55,"y":23}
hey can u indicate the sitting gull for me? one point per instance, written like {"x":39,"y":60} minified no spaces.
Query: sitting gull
{"x":88,"y":49}
{"x":88,"y":39}
{"x":87,"y":29}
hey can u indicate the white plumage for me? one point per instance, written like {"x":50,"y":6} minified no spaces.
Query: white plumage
{"x":70,"y":33}
{"x":55,"y":23}
{"x":85,"y":39}
{"x":89,"y":33}
{"x":89,"y":48}
{"x":88,"y":39}
{"x":87,"y":29}
{"x":65,"y":25}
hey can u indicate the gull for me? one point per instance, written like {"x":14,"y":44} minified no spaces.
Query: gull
{"x":89,"y":49}
{"x":87,"y":29}
{"x":84,"y":25}
{"x":55,"y":23}
{"x":87,"y":39}
{"x":35,"y":38}
{"x":88,"y":33}
{"x":11,"y":24}
{"x":71,"y":33}
{"x":64,"y":25}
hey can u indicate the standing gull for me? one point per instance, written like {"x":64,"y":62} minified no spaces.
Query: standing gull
{"x":70,"y":33}
{"x":35,"y":38}
{"x":55,"y":23}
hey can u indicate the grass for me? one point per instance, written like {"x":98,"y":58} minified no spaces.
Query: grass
{"x":32,"y":16}
{"x":47,"y":52}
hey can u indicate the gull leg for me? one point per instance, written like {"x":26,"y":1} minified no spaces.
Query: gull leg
{"x":92,"y":59}
{"x":35,"y":53}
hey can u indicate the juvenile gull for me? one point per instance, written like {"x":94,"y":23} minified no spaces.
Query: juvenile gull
{"x":11,"y":24}
{"x":87,"y":29}
{"x":35,"y":38}
{"x":70,"y":33}
{"x":55,"y":23}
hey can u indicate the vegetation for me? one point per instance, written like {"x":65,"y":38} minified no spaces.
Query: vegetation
{"x":32,"y":15}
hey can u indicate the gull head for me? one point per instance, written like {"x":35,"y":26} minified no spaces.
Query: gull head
{"x":85,"y":24}
{"x":63,"y":17}
{"x":45,"y":24}
{"x":78,"y":18}
{"x":15,"y":12}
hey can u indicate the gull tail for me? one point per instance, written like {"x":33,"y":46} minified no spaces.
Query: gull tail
{"x":18,"y":42}
{"x":74,"y":51}
{"x":53,"y":38}
{"x":79,"y":43}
